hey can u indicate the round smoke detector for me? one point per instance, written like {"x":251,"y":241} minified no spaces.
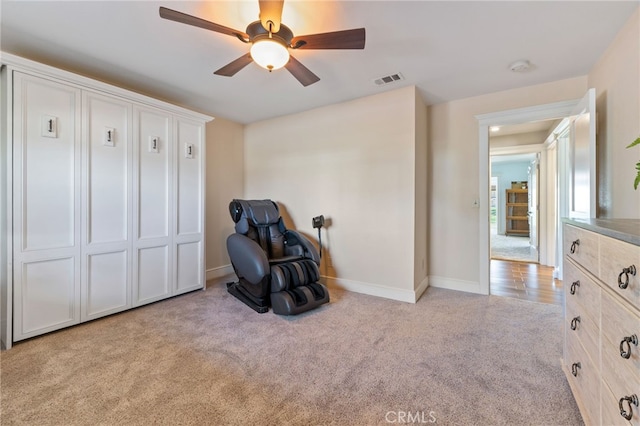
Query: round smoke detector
{"x":520,"y":66}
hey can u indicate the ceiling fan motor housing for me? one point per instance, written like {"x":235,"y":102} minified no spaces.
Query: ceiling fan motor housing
{"x":256,"y":32}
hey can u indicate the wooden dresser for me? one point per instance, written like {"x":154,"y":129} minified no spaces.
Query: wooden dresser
{"x":602,"y":318}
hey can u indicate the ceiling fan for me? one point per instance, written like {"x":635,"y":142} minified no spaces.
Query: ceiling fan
{"x":271,"y":40}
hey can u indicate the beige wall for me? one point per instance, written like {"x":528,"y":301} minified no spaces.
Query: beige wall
{"x":454,"y":171}
{"x":354,"y":163}
{"x":421,"y":267}
{"x":616,"y":77}
{"x":359,"y":164}
{"x":225,"y":181}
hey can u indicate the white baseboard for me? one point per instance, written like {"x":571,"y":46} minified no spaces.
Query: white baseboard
{"x":410,"y":296}
{"x":218,"y":272}
{"x":455,"y":284}
{"x":402,"y":295}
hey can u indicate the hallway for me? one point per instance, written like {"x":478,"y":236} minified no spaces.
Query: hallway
{"x":527,"y":281}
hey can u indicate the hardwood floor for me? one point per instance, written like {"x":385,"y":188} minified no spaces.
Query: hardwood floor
{"x":528,"y":281}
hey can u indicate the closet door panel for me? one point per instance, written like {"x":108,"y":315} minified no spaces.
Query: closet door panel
{"x":46,"y":205}
{"x":46,"y":163}
{"x":189,"y":215}
{"x":48,"y":297}
{"x":153,"y":274}
{"x":189,"y":267}
{"x":152,"y":212}
{"x":189,"y":177}
{"x":107,"y":177}
{"x":154,"y":174}
{"x":108,"y":146}
{"x":107,"y":284}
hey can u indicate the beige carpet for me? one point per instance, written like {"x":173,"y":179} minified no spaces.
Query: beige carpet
{"x":205,"y":359}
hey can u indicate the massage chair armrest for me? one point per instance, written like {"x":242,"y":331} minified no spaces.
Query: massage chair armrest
{"x":248,"y":258}
{"x":293,"y":238}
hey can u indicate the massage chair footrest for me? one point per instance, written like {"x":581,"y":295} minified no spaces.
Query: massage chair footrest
{"x":302,"y":299}
{"x":260,"y":306}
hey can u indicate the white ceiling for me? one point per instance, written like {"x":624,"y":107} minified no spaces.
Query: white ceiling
{"x":448,"y":49}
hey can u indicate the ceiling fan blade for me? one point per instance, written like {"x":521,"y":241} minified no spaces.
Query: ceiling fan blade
{"x":183,"y":18}
{"x":233,"y":67}
{"x":271,"y":10}
{"x":300,"y":72}
{"x":346,"y":39}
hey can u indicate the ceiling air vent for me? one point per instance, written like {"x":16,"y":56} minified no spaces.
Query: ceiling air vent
{"x":388,"y":79}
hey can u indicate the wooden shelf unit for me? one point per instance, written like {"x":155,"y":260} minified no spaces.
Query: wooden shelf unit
{"x":516,"y":212}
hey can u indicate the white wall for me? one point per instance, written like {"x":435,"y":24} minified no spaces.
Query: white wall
{"x":616,"y":78}
{"x":353,"y":162}
{"x":225,"y":181}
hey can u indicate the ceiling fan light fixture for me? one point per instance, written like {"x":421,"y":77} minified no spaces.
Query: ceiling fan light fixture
{"x":269,"y":53}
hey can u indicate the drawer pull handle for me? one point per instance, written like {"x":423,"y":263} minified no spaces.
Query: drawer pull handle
{"x":574,"y":285}
{"x":633,"y":399}
{"x":626,"y":271}
{"x":574,"y":245}
{"x":574,"y":322}
{"x":627,"y":341}
{"x":574,"y":368}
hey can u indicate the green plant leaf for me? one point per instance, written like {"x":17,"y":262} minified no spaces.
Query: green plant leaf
{"x":636,"y":182}
{"x":634,"y":143}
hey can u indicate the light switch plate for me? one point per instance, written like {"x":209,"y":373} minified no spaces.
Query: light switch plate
{"x":154,"y":144}
{"x":109,"y":136}
{"x":49,"y":126}
{"x":188,"y":150}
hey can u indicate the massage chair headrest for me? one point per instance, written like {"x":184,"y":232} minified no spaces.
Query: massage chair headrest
{"x":259,"y":212}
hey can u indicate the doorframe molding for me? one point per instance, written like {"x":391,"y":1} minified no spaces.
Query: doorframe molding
{"x":549,"y":111}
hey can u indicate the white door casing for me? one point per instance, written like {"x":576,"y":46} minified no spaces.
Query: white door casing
{"x":582,"y":158}
{"x":515,"y":116}
{"x":534,"y":205}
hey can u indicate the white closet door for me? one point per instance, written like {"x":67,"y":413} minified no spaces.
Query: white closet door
{"x":106,"y":250}
{"x":152,"y":205}
{"x":46,"y":205}
{"x":189,"y":198}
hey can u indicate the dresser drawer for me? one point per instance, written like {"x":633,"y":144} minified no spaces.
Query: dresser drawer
{"x":618,"y":257}
{"x":611,"y":409}
{"x":582,"y":246}
{"x":586,"y":383}
{"x":581,"y":290}
{"x":618,"y":381}
{"x":581,"y":326}
{"x":619,"y":326}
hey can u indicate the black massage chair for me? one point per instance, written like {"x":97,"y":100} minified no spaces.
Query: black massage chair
{"x":275,"y":266}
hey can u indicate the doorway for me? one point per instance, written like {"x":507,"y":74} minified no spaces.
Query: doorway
{"x":553,"y":111}
{"x":514,"y":204}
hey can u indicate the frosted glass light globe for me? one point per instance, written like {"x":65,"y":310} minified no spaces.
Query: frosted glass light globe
{"x":269,"y":54}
